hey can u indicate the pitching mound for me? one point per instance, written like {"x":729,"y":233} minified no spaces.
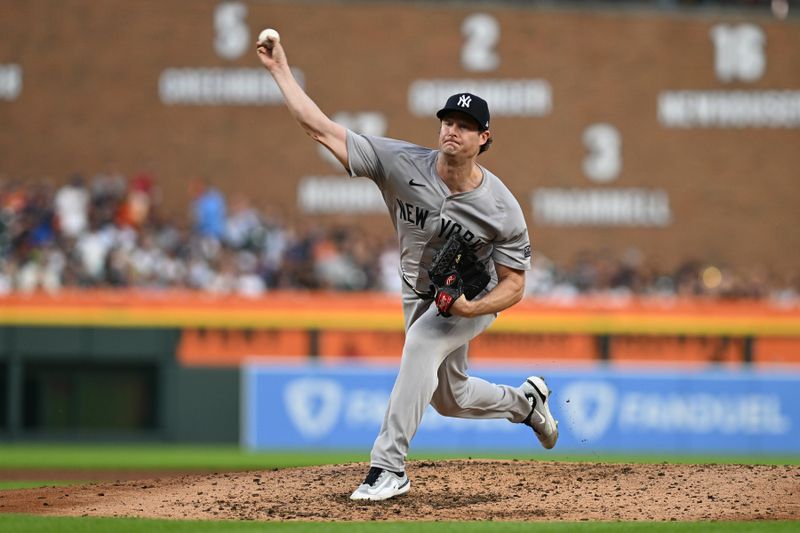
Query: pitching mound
{"x":443,"y":490}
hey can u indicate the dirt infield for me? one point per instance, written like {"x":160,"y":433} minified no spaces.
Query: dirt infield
{"x":442,"y":490}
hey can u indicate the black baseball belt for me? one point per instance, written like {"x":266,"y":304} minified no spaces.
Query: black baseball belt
{"x":420,"y":295}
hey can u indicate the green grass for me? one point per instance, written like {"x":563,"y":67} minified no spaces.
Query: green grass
{"x":23,"y":523}
{"x":39,"y":456}
{"x":158,"y":456}
{"x":5,"y":485}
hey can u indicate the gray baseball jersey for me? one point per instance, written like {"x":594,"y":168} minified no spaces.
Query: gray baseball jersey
{"x":433,"y":367}
{"x":425,"y":213}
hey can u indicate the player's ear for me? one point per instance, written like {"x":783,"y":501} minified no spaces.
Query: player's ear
{"x":486,"y":141}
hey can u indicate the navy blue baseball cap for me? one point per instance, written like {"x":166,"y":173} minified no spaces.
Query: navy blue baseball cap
{"x":469,"y":104}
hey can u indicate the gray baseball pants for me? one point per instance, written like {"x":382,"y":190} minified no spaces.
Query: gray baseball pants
{"x":433,"y":370}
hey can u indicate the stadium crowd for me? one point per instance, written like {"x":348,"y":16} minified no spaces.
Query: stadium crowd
{"x":109,"y":232}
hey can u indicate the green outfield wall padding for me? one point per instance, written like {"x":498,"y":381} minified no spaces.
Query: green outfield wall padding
{"x":4,"y":344}
{"x":89,"y":343}
{"x":49,"y":342}
{"x":189,"y":404}
{"x":206,"y":405}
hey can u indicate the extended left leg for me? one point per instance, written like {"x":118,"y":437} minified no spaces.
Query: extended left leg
{"x":462,"y":396}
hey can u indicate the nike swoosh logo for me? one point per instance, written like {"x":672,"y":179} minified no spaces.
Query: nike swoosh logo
{"x":415,"y":184}
{"x":532,"y":384}
{"x":541,"y":418}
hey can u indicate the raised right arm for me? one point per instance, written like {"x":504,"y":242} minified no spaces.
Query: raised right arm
{"x":313,"y":121}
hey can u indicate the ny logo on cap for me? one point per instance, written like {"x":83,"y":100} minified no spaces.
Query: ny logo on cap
{"x":464,"y":100}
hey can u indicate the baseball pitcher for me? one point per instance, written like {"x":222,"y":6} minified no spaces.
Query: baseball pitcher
{"x":464,"y":250}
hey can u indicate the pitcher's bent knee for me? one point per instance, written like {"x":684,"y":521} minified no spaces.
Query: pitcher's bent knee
{"x":444,"y":407}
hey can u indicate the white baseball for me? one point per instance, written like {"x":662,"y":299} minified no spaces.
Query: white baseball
{"x":269,"y":37}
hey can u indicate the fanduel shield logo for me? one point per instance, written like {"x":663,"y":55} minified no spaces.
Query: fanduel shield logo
{"x":591,"y":407}
{"x":313,"y":405}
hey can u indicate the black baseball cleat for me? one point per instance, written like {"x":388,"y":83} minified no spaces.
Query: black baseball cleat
{"x":382,"y":484}
{"x":540,"y":419}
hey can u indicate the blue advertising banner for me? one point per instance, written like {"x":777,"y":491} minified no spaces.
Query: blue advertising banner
{"x":600,"y":409}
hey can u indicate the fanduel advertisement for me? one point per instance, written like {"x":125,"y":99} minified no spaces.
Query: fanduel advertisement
{"x":610,"y":410}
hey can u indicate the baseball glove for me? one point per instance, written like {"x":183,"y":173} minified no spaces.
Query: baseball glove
{"x":455,"y":270}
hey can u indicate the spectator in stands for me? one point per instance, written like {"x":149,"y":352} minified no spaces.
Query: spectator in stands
{"x":92,"y":247}
{"x":389,"y":266}
{"x":274,"y":244}
{"x":243,"y":228}
{"x":72,"y":207}
{"x":209,"y":210}
{"x":135,"y":208}
{"x":248,"y":281}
